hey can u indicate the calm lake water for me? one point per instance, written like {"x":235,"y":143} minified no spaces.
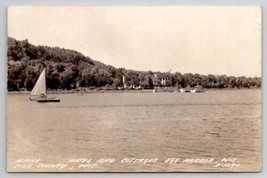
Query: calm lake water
{"x":211,"y":125}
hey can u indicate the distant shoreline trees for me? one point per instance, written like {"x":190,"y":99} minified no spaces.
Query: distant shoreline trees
{"x":69,"y":69}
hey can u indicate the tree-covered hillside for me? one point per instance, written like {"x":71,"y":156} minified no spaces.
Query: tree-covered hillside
{"x":69,"y":69}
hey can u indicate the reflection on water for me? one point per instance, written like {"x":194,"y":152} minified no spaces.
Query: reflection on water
{"x":215,"y":124}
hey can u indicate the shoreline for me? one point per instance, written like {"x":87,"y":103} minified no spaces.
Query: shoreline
{"x":120,"y":91}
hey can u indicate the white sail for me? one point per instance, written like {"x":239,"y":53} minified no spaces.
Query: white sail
{"x":40,"y":86}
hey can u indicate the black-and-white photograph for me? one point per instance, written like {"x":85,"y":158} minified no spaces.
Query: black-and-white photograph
{"x":134,"y":89}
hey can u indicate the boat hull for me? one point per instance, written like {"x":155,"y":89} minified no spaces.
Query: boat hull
{"x":37,"y":98}
{"x":48,"y":100}
{"x":197,"y":91}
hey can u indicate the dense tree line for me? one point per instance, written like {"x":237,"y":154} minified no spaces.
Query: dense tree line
{"x":69,"y":69}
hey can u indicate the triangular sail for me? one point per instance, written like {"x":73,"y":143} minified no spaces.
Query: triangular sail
{"x":40,"y":86}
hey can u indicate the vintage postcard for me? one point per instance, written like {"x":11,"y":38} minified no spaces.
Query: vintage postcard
{"x":134,"y":89}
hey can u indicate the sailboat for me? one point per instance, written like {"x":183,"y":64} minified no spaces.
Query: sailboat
{"x":38,"y":92}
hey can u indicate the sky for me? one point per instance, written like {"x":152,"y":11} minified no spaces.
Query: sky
{"x":188,"y":39}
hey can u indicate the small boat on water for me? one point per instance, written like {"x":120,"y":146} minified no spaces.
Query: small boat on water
{"x":184,"y":90}
{"x":198,"y":89}
{"x":38,"y":92}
